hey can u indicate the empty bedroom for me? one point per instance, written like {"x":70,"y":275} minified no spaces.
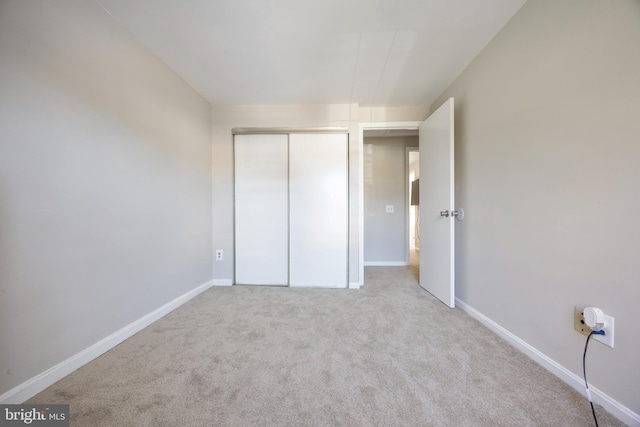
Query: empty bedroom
{"x":329,"y":212}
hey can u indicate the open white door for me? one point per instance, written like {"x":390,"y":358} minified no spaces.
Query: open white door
{"x":437,"y":250}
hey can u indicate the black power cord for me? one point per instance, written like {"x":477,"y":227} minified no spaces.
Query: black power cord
{"x":584,"y":373}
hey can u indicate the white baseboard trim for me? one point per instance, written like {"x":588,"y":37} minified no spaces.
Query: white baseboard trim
{"x":386,"y":263}
{"x":222,"y":282}
{"x":35,"y":385}
{"x":354,"y":285}
{"x":620,"y":411}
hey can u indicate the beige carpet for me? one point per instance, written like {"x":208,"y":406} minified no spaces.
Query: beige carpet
{"x":386,"y":355}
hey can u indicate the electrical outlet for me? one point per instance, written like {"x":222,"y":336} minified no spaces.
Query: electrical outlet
{"x":607,"y":338}
{"x":219,"y":255}
{"x":609,"y":327}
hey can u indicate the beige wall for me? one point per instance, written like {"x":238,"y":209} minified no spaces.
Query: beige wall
{"x":386,"y":183}
{"x":105,"y":183}
{"x":547,"y":169}
{"x":392,"y":114}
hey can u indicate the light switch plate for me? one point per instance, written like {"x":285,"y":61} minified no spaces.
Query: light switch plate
{"x":390,"y":208}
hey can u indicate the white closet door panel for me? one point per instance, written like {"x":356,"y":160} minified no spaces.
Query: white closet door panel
{"x":261,"y":210}
{"x":318,"y":210}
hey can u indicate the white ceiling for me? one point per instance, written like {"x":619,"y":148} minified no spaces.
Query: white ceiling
{"x":371,"y":52}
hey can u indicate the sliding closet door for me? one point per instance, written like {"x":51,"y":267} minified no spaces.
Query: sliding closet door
{"x":318,"y":210}
{"x":261,"y":210}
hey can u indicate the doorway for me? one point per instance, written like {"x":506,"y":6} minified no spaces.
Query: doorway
{"x":438,"y":211}
{"x":388,"y":207}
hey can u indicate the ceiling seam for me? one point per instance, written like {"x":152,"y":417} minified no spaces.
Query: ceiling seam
{"x":384,"y":68}
{"x":355,"y":68}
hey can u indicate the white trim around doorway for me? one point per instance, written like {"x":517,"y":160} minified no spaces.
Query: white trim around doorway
{"x":413,"y":125}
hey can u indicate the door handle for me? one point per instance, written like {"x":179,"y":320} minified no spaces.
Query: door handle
{"x":444,"y":213}
{"x":459,"y":214}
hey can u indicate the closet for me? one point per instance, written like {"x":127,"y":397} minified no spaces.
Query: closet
{"x":291,"y":209}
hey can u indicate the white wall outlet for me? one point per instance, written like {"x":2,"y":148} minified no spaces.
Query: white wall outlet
{"x":219,"y":254}
{"x":390,"y":208}
{"x":607,"y":338}
{"x":609,"y":327}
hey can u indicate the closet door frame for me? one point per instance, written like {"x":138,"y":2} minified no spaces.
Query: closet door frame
{"x":288,"y":131}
